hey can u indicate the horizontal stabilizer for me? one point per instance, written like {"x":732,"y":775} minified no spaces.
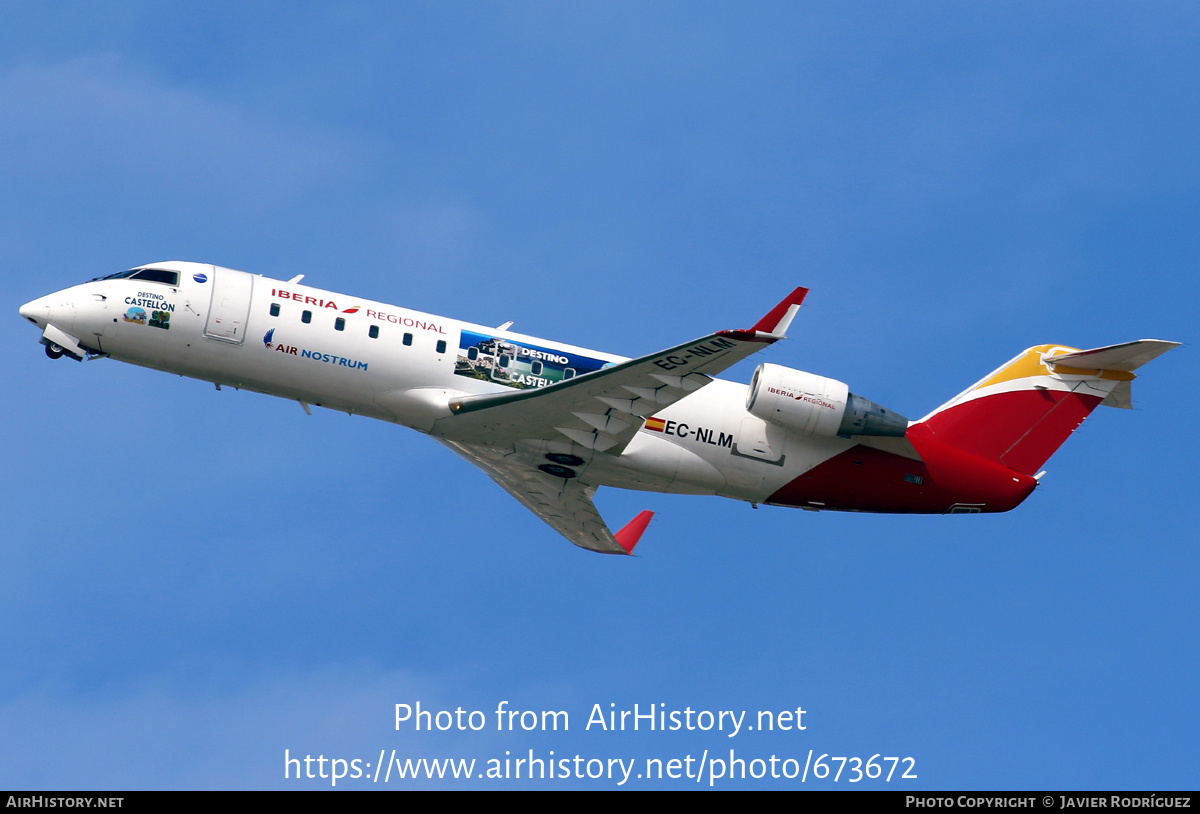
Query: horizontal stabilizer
{"x":1127,"y":356}
{"x":1120,"y":397}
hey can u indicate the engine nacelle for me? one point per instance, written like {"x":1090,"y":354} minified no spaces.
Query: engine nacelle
{"x":815,"y":405}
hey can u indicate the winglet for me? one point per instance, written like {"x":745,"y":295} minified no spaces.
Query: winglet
{"x":776,"y":322}
{"x":628,"y":536}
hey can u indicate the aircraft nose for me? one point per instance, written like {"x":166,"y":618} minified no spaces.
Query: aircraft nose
{"x":37,"y":312}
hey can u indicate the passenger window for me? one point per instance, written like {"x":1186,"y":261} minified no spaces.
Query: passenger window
{"x":441,"y":346}
{"x":536,"y":368}
{"x":274,"y":309}
{"x":503,"y":360}
{"x":374,"y":332}
{"x":306,"y":317}
{"x":568,"y":373}
{"x":472,"y":353}
{"x":339,"y":324}
{"x":408,"y":340}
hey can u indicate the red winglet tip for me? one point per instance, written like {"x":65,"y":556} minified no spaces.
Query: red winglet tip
{"x":628,"y":536}
{"x":776,"y":321}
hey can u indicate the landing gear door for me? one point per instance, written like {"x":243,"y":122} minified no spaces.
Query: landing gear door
{"x":230,"y":305}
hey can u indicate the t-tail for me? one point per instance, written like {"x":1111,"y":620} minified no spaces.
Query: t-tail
{"x":1021,"y":413}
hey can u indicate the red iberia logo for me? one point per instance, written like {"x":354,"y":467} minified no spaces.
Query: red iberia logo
{"x":310,"y":300}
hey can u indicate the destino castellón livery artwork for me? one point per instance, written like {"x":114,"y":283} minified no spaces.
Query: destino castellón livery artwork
{"x":552,"y":423}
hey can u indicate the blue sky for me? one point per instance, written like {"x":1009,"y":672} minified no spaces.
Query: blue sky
{"x":196,"y":581}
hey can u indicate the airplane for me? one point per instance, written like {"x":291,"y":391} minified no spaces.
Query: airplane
{"x":551,"y":423}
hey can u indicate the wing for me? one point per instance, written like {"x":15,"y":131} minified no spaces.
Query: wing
{"x":601,"y":412}
{"x":566,"y":505}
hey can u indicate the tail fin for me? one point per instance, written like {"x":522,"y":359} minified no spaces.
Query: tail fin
{"x":1022,"y":412}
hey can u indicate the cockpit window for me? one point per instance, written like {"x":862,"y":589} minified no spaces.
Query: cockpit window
{"x":151,"y":275}
{"x":157,"y":276}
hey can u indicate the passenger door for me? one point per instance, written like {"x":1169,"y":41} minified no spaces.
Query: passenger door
{"x":230,"y":305}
